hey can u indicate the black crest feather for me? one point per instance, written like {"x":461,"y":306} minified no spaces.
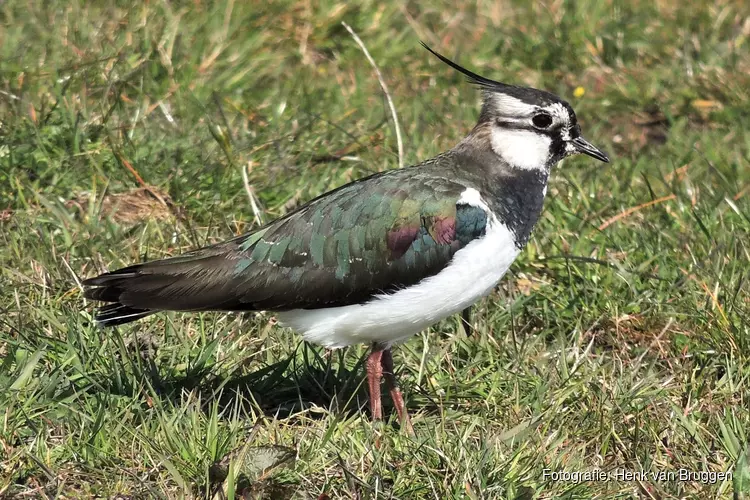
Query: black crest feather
{"x":472,"y":77}
{"x":526,"y":94}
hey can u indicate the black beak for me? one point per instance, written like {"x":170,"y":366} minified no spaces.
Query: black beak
{"x":585,"y":147}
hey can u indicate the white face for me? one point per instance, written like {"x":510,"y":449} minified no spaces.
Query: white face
{"x":524,"y":149}
{"x":520,"y":133}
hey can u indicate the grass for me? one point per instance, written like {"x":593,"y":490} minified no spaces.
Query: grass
{"x":619,"y":341}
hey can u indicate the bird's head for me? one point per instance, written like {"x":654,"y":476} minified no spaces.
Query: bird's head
{"x":526,"y":127}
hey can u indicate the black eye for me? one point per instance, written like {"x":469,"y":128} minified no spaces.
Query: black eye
{"x":542,"y":120}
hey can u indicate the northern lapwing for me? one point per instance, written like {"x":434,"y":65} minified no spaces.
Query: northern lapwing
{"x":379,"y":259}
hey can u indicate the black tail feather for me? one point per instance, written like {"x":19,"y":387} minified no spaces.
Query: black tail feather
{"x":119,"y":314}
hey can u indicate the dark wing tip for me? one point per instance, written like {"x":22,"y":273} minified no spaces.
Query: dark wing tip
{"x":107,"y":278}
{"x":106,"y":288}
{"x":92,"y":281}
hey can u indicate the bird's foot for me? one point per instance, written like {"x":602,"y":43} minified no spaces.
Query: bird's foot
{"x":396,"y":396}
{"x":374,"y":369}
{"x":380,"y":364}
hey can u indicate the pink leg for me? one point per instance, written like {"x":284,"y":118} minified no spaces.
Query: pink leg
{"x":396,"y":396}
{"x":374,"y":373}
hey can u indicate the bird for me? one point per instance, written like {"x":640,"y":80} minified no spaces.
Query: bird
{"x":382,"y":258}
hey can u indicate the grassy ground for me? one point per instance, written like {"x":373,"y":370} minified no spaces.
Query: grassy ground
{"x":619,"y":341}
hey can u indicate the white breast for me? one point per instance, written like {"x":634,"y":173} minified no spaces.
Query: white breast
{"x":390,"y":318}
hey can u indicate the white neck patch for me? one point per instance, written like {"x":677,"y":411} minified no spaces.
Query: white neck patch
{"x":524,"y":149}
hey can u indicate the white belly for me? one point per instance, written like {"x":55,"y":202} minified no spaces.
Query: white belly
{"x":391,"y":318}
